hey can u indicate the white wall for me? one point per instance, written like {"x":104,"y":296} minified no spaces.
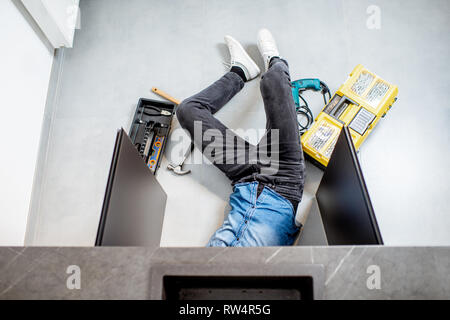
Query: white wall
{"x":56,"y":18}
{"x":25,"y":66}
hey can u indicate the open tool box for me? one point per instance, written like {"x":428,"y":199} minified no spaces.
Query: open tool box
{"x":150,"y":130}
{"x":359,"y":104}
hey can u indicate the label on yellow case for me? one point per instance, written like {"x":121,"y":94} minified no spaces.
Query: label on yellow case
{"x":364,"y":80}
{"x":325,"y":133}
{"x":330,"y":148}
{"x":377,"y":93}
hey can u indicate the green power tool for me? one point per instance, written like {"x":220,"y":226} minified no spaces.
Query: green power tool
{"x":300,"y":86}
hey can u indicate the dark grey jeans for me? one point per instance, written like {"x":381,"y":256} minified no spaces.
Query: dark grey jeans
{"x":288,"y":178}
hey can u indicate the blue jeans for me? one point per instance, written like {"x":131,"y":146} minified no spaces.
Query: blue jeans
{"x":251,"y":217}
{"x":264,"y":221}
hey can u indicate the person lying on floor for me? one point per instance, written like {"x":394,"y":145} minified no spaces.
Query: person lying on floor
{"x":266,"y":194}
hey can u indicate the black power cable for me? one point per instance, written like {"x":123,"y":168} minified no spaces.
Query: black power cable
{"x":304,"y":109}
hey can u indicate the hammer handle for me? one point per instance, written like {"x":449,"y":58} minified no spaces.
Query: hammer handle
{"x":165,"y":96}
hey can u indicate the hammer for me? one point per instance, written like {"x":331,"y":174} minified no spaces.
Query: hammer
{"x":178,"y":169}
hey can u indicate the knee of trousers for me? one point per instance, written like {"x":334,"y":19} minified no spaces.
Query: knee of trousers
{"x":185,"y":113}
{"x":274,"y":77}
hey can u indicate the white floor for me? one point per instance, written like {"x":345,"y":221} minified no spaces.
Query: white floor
{"x":126,"y":47}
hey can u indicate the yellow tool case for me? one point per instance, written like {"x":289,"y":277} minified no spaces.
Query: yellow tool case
{"x":359,"y":104}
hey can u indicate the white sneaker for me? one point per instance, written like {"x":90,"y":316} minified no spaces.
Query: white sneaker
{"x":241,"y":59}
{"x":267,"y":46}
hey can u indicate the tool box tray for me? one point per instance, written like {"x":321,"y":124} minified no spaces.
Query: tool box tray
{"x":152,"y":120}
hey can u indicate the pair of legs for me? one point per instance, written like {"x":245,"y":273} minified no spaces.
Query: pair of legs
{"x":288,"y":177}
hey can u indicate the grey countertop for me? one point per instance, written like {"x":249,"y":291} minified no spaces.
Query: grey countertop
{"x":125,"y":273}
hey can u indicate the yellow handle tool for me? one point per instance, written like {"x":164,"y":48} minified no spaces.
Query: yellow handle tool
{"x":166,"y":96}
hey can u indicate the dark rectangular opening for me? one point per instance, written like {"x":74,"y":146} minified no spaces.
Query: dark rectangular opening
{"x":237,"y":288}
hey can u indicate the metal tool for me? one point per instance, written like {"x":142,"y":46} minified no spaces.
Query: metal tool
{"x":178,"y":168}
{"x":140,"y":133}
{"x":148,"y":140}
{"x":145,"y":137}
{"x":157,"y":112}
